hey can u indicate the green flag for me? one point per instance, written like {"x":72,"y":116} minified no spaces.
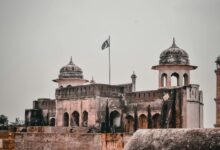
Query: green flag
{"x":106,"y":44}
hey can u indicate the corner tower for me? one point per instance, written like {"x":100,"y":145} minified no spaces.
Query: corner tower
{"x":174,"y":73}
{"x":217,"y":99}
{"x":174,"y":67}
{"x":70,"y":74}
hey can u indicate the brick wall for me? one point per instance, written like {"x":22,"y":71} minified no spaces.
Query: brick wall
{"x":6,"y":140}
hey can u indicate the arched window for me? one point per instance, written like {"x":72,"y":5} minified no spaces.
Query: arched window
{"x":129,"y":124}
{"x":185,"y":79}
{"x":164,"y":80}
{"x":156,"y":120}
{"x":85,"y":119}
{"x":175,"y":79}
{"x":75,"y":119}
{"x":115,"y":119}
{"x":142,"y":121}
{"x":52,"y":122}
{"x":65,"y":119}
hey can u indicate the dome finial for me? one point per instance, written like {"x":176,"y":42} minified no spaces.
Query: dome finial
{"x":174,"y":43}
{"x":92,"y":81}
{"x":71,"y":61}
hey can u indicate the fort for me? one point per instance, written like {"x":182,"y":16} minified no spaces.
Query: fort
{"x":89,"y":115}
{"x":120,"y":108}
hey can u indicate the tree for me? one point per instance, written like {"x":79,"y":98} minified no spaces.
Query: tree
{"x":149,"y":117}
{"x":107,"y":124}
{"x":135,"y":119}
{"x":3,"y":120}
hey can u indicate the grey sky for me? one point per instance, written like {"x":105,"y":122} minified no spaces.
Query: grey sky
{"x":38,"y":37}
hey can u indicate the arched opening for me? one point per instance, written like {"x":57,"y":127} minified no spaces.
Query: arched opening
{"x":129,"y":124}
{"x":164,"y":80}
{"x":185,"y":79}
{"x":156,"y":121}
{"x":142,"y":122}
{"x":175,"y":79}
{"x":52,"y":122}
{"x":115,"y":119}
{"x":75,"y":119}
{"x":85,"y":119}
{"x":65,"y":119}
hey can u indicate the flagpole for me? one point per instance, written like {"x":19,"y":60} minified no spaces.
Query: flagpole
{"x":109,"y":62}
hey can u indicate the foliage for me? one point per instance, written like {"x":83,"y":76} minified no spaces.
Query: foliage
{"x":107,"y":123}
{"x":149,"y":117}
{"x":135,"y":119}
{"x":3,"y":120}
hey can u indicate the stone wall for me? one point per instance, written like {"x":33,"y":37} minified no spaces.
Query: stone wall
{"x":47,"y":138}
{"x":175,"y":139}
{"x":6,"y":140}
{"x":70,"y":141}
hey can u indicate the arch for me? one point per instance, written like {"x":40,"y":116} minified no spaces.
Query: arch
{"x":75,"y":119}
{"x":65,"y":119}
{"x":174,"y":79}
{"x":85,"y":119}
{"x":185,"y":79}
{"x":115,"y":119}
{"x":163,"y":80}
{"x":52,"y":122}
{"x":142,"y":121}
{"x":156,"y":120}
{"x":129,"y":123}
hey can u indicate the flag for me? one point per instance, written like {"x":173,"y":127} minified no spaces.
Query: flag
{"x":106,"y":44}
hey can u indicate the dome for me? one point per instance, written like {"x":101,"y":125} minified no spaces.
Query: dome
{"x":133,"y":76}
{"x":174,"y":55}
{"x":71,"y":71}
{"x":218,"y":60}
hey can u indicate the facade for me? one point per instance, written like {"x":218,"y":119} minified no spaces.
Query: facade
{"x":217,"y":99}
{"x":120,"y":108}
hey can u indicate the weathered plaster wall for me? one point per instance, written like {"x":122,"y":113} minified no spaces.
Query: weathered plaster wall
{"x":6,"y":140}
{"x":175,"y":139}
{"x":54,"y":141}
{"x":70,"y":141}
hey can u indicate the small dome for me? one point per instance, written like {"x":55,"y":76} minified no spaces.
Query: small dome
{"x":71,"y":71}
{"x":218,"y":60}
{"x":133,"y":75}
{"x":174,"y":55}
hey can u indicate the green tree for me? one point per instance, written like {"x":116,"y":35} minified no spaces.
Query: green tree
{"x":149,"y":117}
{"x":107,"y":124}
{"x":3,"y":120}
{"x":135,"y":119}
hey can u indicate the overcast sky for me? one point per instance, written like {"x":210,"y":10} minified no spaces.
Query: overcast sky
{"x":38,"y":37}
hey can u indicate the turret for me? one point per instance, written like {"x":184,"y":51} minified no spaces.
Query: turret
{"x":174,"y":67}
{"x":133,"y":81}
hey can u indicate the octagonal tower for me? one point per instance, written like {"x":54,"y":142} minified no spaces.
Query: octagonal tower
{"x":174,"y":67}
{"x":70,"y":74}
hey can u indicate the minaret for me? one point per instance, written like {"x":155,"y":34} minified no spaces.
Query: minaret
{"x":133,"y":79}
{"x":217,"y":99}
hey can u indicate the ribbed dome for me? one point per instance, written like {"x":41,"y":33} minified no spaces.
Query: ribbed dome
{"x":71,"y":71}
{"x":218,"y":60}
{"x":174,"y":55}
